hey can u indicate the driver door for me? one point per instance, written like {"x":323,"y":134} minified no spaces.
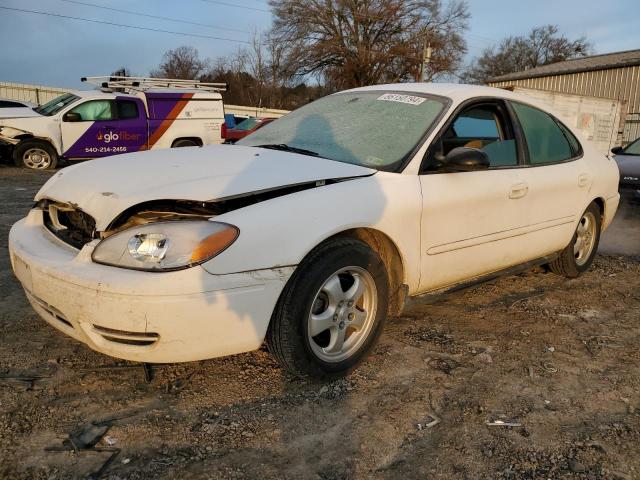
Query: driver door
{"x":472,"y":222}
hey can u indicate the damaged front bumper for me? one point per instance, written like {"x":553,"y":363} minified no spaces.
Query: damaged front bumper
{"x":8,"y":134}
{"x":157,"y":317}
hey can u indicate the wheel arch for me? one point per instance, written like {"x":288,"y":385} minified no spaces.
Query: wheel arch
{"x":197,"y":140}
{"x":601,"y":205}
{"x":390,"y":254}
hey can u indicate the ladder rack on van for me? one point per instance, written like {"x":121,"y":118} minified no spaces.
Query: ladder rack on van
{"x":126,"y":84}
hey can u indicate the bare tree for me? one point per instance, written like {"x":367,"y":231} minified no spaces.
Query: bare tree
{"x":543,"y":45}
{"x":122,"y":72}
{"x":182,"y":62}
{"x":350,"y":43}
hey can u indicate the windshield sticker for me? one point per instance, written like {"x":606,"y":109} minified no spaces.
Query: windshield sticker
{"x":396,"y":97}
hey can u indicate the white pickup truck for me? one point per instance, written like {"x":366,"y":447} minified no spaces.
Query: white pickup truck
{"x":125,"y":115}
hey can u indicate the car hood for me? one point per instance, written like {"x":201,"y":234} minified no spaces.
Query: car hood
{"x":17,"y":112}
{"x":104,"y":188}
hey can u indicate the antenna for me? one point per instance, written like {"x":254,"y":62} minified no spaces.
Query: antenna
{"x":128,"y":84}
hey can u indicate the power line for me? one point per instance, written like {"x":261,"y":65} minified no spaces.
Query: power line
{"x":237,"y":6}
{"x":136,"y":27}
{"x":140,"y":14}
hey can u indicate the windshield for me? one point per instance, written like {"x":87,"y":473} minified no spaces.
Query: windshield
{"x":54,"y":106}
{"x":371,"y":129}
{"x":247,"y":124}
{"x":633,"y":148}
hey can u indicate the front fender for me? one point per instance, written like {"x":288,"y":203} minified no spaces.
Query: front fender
{"x":282,"y":231}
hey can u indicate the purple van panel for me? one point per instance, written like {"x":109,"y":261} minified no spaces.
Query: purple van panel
{"x":110,"y":137}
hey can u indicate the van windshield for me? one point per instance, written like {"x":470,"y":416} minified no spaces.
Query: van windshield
{"x":54,"y":106}
{"x":373,"y":129}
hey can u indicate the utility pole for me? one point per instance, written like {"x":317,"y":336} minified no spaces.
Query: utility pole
{"x":426,"y":59}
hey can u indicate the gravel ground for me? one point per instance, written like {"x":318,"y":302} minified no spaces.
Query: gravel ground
{"x":555,"y":360}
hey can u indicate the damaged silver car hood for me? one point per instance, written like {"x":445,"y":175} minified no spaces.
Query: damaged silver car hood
{"x":104,"y":188}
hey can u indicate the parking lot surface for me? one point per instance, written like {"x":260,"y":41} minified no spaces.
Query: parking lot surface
{"x":529,"y":376}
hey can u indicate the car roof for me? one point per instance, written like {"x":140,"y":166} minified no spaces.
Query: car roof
{"x":456,"y":91}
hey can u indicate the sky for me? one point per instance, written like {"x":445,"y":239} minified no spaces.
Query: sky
{"x":57,"y":51}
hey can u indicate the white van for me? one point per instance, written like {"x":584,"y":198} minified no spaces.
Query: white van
{"x":126,"y":114}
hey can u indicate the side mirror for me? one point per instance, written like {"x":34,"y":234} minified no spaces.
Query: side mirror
{"x":71,"y":117}
{"x":617,"y":150}
{"x":465,"y":159}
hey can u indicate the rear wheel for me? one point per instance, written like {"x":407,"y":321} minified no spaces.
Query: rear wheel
{"x":35,"y":154}
{"x":332,"y":310}
{"x":184,"y":142}
{"x":577,"y":257}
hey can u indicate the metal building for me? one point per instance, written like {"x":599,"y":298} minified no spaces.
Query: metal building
{"x":611,"y":75}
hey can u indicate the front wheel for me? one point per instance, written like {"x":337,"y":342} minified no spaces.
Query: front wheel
{"x":577,"y":257}
{"x":332,"y":310}
{"x":35,"y":154}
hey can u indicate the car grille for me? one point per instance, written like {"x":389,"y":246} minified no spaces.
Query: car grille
{"x":69,"y":224}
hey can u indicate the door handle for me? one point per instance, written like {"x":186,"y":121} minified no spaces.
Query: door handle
{"x":583,"y":179}
{"x":518,"y":190}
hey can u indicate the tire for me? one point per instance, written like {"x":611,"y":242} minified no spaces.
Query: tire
{"x":35,"y":155}
{"x":311,"y":301}
{"x":577,"y":257}
{"x":185,"y":142}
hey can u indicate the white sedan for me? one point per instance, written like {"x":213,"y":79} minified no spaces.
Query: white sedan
{"x":313,"y":230}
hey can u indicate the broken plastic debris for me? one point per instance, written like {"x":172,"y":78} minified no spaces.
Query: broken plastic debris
{"x":110,"y":440}
{"x":502,"y":423}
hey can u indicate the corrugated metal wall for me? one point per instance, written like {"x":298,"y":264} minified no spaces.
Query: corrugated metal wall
{"x":618,"y":83}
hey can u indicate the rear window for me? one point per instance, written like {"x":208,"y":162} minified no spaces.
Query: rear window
{"x":127,"y":109}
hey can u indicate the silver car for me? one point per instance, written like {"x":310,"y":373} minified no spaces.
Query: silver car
{"x":628,"y":159}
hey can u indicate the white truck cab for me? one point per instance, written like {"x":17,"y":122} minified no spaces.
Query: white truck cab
{"x":126,"y":114}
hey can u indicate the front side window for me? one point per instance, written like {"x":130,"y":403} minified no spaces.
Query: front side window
{"x":94,"y":110}
{"x":485,"y":127}
{"x":633,"y":148}
{"x":546,"y":141}
{"x":369,"y":128}
{"x":54,"y":106}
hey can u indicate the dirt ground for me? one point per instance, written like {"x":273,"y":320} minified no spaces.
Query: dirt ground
{"x":557,"y":359}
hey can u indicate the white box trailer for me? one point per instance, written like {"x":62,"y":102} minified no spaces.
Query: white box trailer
{"x":596,"y":118}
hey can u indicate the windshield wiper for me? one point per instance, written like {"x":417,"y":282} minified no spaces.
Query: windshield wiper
{"x":288,"y":148}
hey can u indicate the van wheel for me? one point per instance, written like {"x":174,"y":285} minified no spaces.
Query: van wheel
{"x":579,"y":254}
{"x":332,"y":310}
{"x":35,"y":154}
{"x":184,"y":142}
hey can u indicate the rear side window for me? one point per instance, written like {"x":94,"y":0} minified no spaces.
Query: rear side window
{"x":546,"y":141}
{"x":9,"y":104}
{"x":94,"y":110}
{"x":127,"y":109}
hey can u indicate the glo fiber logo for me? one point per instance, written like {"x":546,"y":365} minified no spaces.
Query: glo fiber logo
{"x":110,"y":136}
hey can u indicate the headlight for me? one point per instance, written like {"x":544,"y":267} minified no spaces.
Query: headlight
{"x":165,"y":245}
